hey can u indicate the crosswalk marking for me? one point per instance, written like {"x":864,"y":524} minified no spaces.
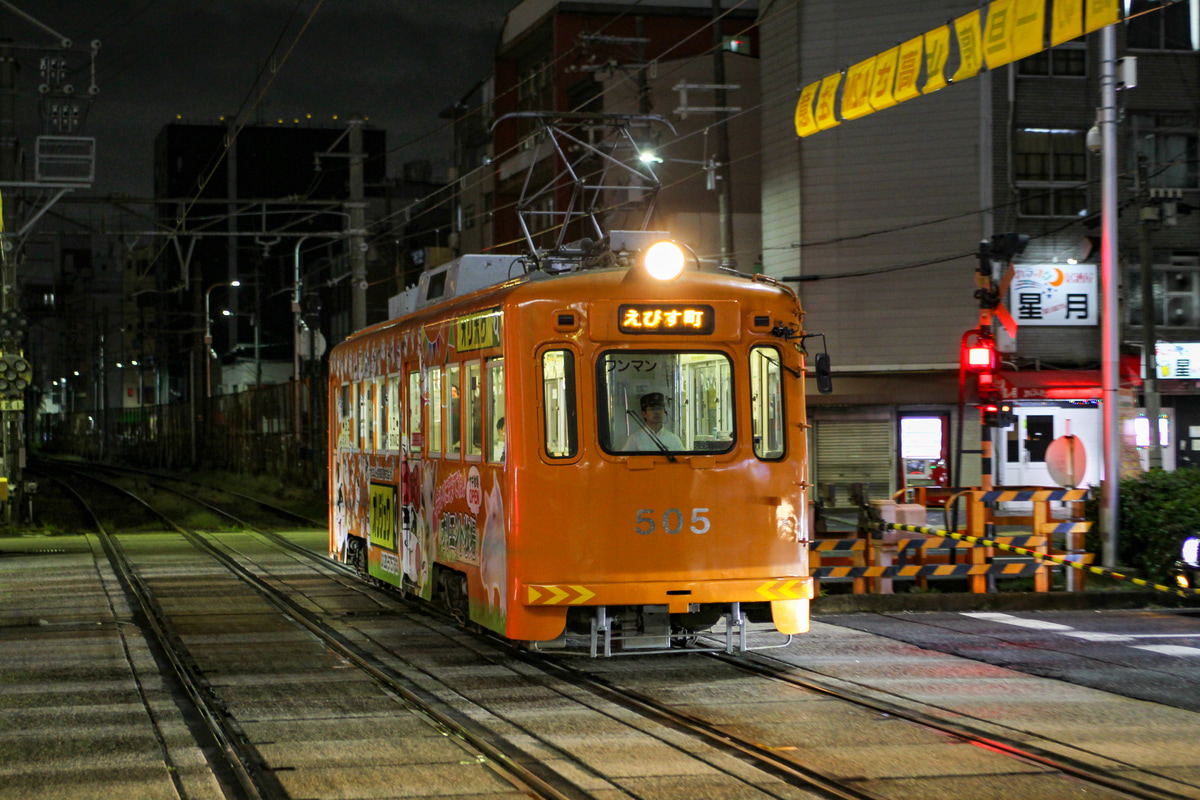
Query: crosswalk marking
{"x":1095,"y":636}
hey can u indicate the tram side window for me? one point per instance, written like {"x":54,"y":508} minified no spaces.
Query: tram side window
{"x":766,"y":403}
{"x":346,"y":403}
{"x":472,"y":409}
{"x":392,"y":415}
{"x":379,"y":419}
{"x":558,"y":397}
{"x":435,"y":411}
{"x":414,"y":408}
{"x":364,"y":416}
{"x":453,"y":411}
{"x":497,"y":428}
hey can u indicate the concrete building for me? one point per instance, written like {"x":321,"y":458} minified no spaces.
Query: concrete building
{"x":605,"y":58}
{"x":877,"y":221}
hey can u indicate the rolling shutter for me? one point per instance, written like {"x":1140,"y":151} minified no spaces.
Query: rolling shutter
{"x":857,"y":451}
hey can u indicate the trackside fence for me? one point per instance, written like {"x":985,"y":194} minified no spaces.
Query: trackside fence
{"x":273,"y":430}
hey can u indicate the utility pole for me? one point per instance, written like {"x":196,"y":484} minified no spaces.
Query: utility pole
{"x":1147,"y":212}
{"x":725,"y":186}
{"x":357,"y":222}
{"x":1110,"y":492}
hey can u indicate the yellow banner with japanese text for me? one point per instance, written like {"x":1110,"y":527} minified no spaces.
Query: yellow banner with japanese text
{"x":998,"y":33}
{"x":1066,"y":23}
{"x":1003,"y":32}
{"x":806,"y":123}
{"x":937,"y":53}
{"x":827,"y":102}
{"x":1101,"y":13}
{"x":856,"y":97}
{"x":970,"y":46}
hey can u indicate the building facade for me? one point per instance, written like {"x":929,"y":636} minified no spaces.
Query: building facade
{"x":878,"y":220}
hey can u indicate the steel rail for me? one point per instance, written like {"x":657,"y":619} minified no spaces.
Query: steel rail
{"x":241,"y":758}
{"x":504,"y":759}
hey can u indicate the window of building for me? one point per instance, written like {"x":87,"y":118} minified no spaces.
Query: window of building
{"x":1170,"y":143}
{"x":1050,"y":170}
{"x":766,"y":403}
{"x":1067,"y":60}
{"x":1176,"y":293}
{"x":1162,"y":24}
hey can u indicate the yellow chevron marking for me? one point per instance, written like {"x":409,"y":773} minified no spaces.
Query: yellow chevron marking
{"x":534,"y":595}
{"x":765,"y":590}
{"x":558,"y":593}
{"x":789,"y":591}
{"x":584,"y":595}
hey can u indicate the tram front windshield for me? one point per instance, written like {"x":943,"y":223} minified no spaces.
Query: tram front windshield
{"x":654,"y":401}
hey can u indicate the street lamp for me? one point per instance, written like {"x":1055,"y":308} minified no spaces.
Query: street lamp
{"x":208,"y":336}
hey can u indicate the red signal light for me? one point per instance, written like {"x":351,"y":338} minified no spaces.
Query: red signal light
{"x":981,"y":358}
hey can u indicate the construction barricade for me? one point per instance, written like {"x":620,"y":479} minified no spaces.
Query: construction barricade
{"x":874,"y":555}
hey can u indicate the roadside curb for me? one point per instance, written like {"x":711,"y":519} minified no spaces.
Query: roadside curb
{"x":1002,"y":601}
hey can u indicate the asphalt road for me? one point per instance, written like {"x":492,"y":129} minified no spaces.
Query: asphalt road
{"x":1151,"y":654}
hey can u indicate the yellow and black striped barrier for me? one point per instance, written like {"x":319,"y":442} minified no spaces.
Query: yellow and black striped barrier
{"x":1042,"y":556}
{"x":928,"y":571}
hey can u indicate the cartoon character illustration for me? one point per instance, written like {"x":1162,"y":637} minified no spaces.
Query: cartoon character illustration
{"x":493,"y":567}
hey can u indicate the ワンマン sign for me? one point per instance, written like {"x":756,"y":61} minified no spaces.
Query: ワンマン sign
{"x":1011,"y":30}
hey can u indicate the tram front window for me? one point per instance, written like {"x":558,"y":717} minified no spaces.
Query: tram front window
{"x":654,"y":401}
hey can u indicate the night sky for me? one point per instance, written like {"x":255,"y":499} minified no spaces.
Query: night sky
{"x":398,"y":62}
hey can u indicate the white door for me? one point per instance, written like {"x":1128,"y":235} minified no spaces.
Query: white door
{"x":1021,"y":449}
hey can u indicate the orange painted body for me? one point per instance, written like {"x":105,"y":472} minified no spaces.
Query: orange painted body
{"x":583,"y":525}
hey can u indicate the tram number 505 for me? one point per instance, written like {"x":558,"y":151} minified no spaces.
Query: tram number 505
{"x":672,"y":521}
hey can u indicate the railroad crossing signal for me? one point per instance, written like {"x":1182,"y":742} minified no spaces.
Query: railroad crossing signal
{"x":979,"y":359}
{"x":998,"y":415}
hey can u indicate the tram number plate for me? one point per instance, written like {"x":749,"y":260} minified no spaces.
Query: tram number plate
{"x":671,"y":521}
{"x":383,"y":515}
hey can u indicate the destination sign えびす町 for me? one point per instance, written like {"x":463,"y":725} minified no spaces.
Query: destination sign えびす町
{"x":697,"y":320}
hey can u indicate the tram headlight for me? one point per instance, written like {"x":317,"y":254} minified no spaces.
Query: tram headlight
{"x":664,"y":260}
{"x":1189,"y":553}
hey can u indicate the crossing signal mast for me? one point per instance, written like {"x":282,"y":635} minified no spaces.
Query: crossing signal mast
{"x":979,"y":361}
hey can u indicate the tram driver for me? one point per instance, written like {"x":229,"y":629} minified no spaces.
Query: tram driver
{"x":652,"y":434}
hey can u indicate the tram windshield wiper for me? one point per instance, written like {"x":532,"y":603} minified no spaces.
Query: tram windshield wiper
{"x":658,"y":442}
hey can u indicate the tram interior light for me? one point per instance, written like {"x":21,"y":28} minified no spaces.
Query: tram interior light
{"x":664,"y":260}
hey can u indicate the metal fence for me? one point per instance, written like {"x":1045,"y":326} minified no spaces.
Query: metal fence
{"x":274,"y":430}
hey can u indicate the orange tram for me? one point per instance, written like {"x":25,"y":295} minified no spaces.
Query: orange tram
{"x":606,"y":453}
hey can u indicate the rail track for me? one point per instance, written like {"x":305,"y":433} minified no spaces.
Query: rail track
{"x":508,"y":706}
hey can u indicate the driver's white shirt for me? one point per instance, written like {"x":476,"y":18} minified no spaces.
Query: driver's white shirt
{"x":640,"y":440}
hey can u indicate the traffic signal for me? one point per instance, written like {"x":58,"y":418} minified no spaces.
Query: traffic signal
{"x":13,"y":325}
{"x":998,"y":415}
{"x":15,"y":375}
